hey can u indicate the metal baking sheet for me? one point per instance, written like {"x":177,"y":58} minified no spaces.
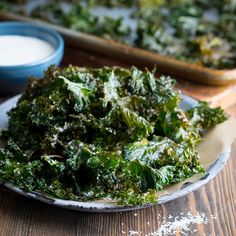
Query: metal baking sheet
{"x":130,"y":54}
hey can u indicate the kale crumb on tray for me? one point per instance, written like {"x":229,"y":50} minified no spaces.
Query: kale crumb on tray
{"x":87,"y":134}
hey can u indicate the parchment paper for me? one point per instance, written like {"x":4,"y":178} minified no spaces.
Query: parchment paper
{"x":214,"y":142}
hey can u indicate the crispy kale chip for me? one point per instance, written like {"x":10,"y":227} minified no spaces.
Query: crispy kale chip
{"x":198,"y":31}
{"x":81,"y":18}
{"x":203,"y":117}
{"x":86,"y":134}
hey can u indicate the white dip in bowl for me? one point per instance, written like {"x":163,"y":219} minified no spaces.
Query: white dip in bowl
{"x":20,"y":50}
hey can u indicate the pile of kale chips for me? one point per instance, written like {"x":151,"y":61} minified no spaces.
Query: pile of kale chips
{"x":85,"y":134}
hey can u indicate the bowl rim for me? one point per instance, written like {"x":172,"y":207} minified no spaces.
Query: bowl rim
{"x":58,"y":50}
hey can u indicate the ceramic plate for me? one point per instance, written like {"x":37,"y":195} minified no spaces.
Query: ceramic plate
{"x":98,"y":206}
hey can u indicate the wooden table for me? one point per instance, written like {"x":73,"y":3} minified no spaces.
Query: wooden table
{"x":216,"y":200}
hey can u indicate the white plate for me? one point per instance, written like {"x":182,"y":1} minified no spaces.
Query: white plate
{"x":94,"y":206}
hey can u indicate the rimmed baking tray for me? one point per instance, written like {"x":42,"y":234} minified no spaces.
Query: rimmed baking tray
{"x":136,"y":56}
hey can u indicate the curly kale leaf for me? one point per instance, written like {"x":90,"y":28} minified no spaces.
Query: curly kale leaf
{"x":137,"y":126}
{"x":110,"y":89}
{"x":81,"y":92}
{"x":56,"y":167}
{"x":48,"y":12}
{"x":142,"y":82}
{"x":164,"y":152}
{"x":176,"y":126}
{"x":15,"y":167}
{"x":81,"y":18}
{"x":202,"y":116}
{"x":128,"y":182}
{"x":114,"y":29}
{"x":78,"y":153}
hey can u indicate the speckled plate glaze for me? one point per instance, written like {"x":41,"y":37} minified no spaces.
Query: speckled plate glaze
{"x":103,"y":206}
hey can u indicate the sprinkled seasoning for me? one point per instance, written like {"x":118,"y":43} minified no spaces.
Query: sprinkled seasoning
{"x":183,"y":224}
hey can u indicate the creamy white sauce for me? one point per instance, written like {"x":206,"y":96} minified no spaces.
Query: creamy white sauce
{"x":19,"y":50}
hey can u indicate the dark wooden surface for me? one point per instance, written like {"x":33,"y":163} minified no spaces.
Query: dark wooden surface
{"x":217,"y":200}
